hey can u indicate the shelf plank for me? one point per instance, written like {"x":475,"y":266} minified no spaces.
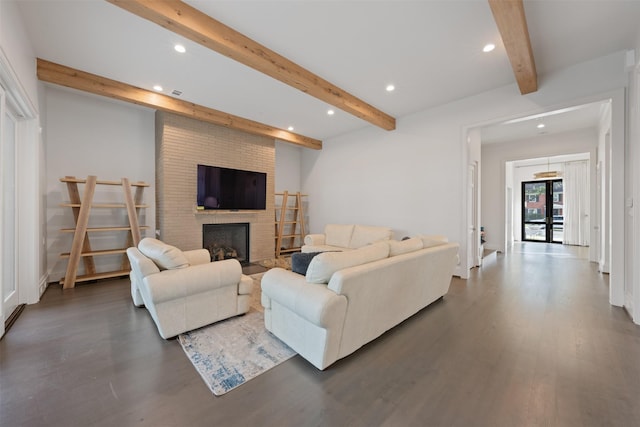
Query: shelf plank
{"x":102,"y":182}
{"x":289,"y":250}
{"x":101,"y":205}
{"x":72,"y":230}
{"x":98,"y":276}
{"x":97,"y":252}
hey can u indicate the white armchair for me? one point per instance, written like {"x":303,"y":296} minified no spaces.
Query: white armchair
{"x":185,"y":290}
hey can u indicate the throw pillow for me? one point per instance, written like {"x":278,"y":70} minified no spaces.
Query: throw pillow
{"x":322,"y":267}
{"x":300,"y":261}
{"x":165,"y":256}
{"x":404,"y":246}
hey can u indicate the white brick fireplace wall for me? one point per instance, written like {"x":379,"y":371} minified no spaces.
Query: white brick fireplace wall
{"x":182,"y":144}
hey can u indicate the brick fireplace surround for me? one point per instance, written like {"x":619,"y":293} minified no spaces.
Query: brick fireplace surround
{"x":183,"y":143}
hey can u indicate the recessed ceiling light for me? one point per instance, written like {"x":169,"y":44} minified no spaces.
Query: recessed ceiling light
{"x":158,"y":88}
{"x":391,"y":88}
{"x":488,"y":47}
{"x":540,"y":125}
{"x":290,"y":128}
{"x":331,"y":112}
{"x":180,"y":48}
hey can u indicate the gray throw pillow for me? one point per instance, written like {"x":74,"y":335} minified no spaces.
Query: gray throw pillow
{"x":300,"y":261}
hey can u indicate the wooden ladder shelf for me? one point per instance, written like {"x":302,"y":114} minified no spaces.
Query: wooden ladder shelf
{"x":290,"y":224}
{"x":81,"y":246}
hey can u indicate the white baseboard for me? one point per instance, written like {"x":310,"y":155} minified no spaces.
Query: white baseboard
{"x":43,"y":285}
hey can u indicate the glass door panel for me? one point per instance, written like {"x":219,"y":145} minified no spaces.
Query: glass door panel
{"x":534,"y":211}
{"x":542,"y":211}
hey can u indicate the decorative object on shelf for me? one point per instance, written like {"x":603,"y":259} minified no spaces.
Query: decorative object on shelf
{"x":290,"y":226}
{"x":482,"y":236}
{"x":81,"y":246}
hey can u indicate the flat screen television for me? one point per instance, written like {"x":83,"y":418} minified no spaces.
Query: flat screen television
{"x":231,"y":189}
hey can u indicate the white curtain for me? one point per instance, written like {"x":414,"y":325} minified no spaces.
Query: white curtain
{"x":576,"y":203}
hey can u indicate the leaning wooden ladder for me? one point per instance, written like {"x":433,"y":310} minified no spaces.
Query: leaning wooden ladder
{"x":81,"y":247}
{"x":291,"y":222}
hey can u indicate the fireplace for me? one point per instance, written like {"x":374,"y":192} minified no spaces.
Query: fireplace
{"x":226,"y":241}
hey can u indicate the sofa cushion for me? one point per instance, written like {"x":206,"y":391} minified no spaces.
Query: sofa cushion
{"x":322,"y":266}
{"x":404,"y":246}
{"x":433,"y":240}
{"x":366,"y":234}
{"x":338,"y":234}
{"x":300,"y":261}
{"x":165,"y":256}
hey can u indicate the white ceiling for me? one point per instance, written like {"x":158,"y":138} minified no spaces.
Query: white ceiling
{"x":585,"y":116}
{"x":430,"y":50}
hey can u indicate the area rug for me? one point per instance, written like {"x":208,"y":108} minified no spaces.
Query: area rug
{"x":233,"y":351}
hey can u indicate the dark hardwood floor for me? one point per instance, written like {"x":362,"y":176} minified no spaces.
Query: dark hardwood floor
{"x":528,"y":340}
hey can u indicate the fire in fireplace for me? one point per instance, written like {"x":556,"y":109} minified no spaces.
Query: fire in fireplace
{"x":225,"y":241}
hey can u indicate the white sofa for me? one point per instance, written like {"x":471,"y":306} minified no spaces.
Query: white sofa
{"x":185,"y":290}
{"x":344,"y":237}
{"x":347,"y":299}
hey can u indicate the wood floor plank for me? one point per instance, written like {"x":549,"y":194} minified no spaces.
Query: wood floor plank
{"x":527,"y":340}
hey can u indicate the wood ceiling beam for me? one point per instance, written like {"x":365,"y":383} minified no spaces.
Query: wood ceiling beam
{"x":512,"y":24}
{"x":182,"y":19}
{"x":76,"y":79}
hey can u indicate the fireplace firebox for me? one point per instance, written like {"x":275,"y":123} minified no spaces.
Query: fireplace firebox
{"x":225,"y":241}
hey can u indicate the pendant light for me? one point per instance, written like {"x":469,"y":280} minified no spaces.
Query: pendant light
{"x":547,"y":174}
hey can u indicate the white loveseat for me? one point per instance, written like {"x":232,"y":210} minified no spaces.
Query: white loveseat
{"x":184,"y":290}
{"x":344,"y":237}
{"x":347,"y":299}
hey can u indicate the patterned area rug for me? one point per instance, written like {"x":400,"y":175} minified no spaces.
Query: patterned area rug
{"x":282,"y":262}
{"x":233,"y":351}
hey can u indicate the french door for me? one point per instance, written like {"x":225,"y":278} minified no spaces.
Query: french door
{"x":543,"y":211}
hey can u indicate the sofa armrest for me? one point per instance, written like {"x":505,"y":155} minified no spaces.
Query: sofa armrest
{"x":197,"y":256}
{"x":173,"y":284}
{"x":314,"y":239}
{"x":141,"y":266}
{"x":313,"y":302}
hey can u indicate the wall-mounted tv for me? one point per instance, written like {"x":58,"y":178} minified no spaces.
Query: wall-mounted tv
{"x":231,"y":189}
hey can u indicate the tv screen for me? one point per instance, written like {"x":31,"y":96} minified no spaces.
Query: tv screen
{"x":231,"y":189}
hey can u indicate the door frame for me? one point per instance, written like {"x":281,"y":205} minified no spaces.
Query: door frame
{"x":474,"y":257}
{"x":30,"y":272}
{"x":10,"y":301}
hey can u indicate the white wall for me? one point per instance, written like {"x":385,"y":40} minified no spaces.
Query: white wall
{"x":288,"y":163}
{"x":412,"y":178}
{"x":400,"y":179}
{"x":89,"y":135}
{"x":16,"y":46}
{"x":494,"y":157}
